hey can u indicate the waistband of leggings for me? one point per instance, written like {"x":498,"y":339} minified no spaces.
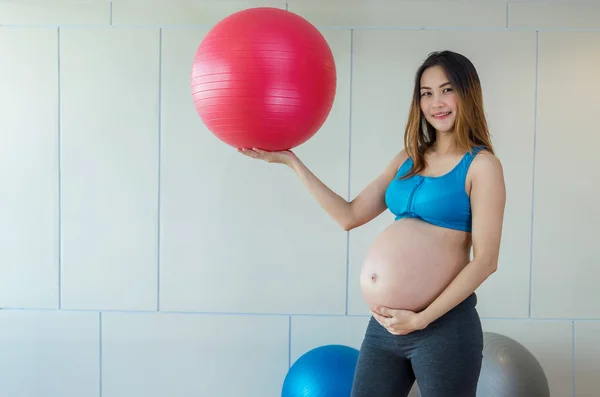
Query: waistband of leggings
{"x":469,"y":302}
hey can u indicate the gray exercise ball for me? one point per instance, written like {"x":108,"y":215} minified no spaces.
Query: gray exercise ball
{"x":510,"y":370}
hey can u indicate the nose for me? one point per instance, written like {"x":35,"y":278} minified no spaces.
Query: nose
{"x":437,"y":102}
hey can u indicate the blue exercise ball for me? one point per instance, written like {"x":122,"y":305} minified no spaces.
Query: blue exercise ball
{"x":325,"y":371}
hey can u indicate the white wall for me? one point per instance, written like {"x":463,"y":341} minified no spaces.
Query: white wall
{"x":142,"y":257}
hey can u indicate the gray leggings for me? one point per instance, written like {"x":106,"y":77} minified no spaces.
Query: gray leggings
{"x":444,"y":358}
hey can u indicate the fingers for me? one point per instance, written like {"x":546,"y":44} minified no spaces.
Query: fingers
{"x":383,"y":311}
{"x":390,"y":324}
{"x":254,"y":153}
{"x":270,"y":157}
{"x":384,"y":321}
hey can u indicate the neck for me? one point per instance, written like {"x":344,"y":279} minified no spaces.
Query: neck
{"x":444,"y":143}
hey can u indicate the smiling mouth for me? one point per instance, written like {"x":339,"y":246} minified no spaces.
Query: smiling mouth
{"x":441,"y":115}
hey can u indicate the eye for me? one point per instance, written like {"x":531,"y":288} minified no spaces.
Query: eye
{"x":447,"y":89}
{"x":425,"y":93}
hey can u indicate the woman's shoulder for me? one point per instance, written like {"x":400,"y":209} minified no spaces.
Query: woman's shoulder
{"x":486,"y":164}
{"x":400,"y":158}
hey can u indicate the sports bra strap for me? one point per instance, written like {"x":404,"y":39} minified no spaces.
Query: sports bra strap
{"x":469,"y":156}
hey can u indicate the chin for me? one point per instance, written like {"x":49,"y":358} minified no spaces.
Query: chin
{"x":444,"y":129}
{"x":448,"y":130}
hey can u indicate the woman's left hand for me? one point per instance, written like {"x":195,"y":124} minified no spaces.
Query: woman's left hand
{"x":397,"y":321}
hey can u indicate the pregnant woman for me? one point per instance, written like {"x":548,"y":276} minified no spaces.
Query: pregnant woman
{"x":446,"y":190}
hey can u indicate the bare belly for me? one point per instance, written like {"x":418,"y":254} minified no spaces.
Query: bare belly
{"x":411,"y":262}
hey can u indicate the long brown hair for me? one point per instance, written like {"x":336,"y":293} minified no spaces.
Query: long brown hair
{"x":471,"y":128}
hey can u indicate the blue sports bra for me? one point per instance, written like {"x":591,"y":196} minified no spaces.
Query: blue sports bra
{"x":440,"y":200}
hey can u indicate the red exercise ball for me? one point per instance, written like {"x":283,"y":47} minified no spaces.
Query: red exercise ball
{"x":264,"y":77}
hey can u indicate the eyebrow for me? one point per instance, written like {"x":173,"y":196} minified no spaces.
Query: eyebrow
{"x":441,"y":85}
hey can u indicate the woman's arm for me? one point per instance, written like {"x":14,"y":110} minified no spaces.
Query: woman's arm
{"x":367,"y":205}
{"x":488,"y":197}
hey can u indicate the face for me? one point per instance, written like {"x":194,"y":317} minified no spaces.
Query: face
{"x":438,"y":99}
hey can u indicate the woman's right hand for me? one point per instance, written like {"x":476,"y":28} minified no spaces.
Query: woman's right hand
{"x":286,"y":157}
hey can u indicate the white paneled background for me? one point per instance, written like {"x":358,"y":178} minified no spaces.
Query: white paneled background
{"x":140,"y":256}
